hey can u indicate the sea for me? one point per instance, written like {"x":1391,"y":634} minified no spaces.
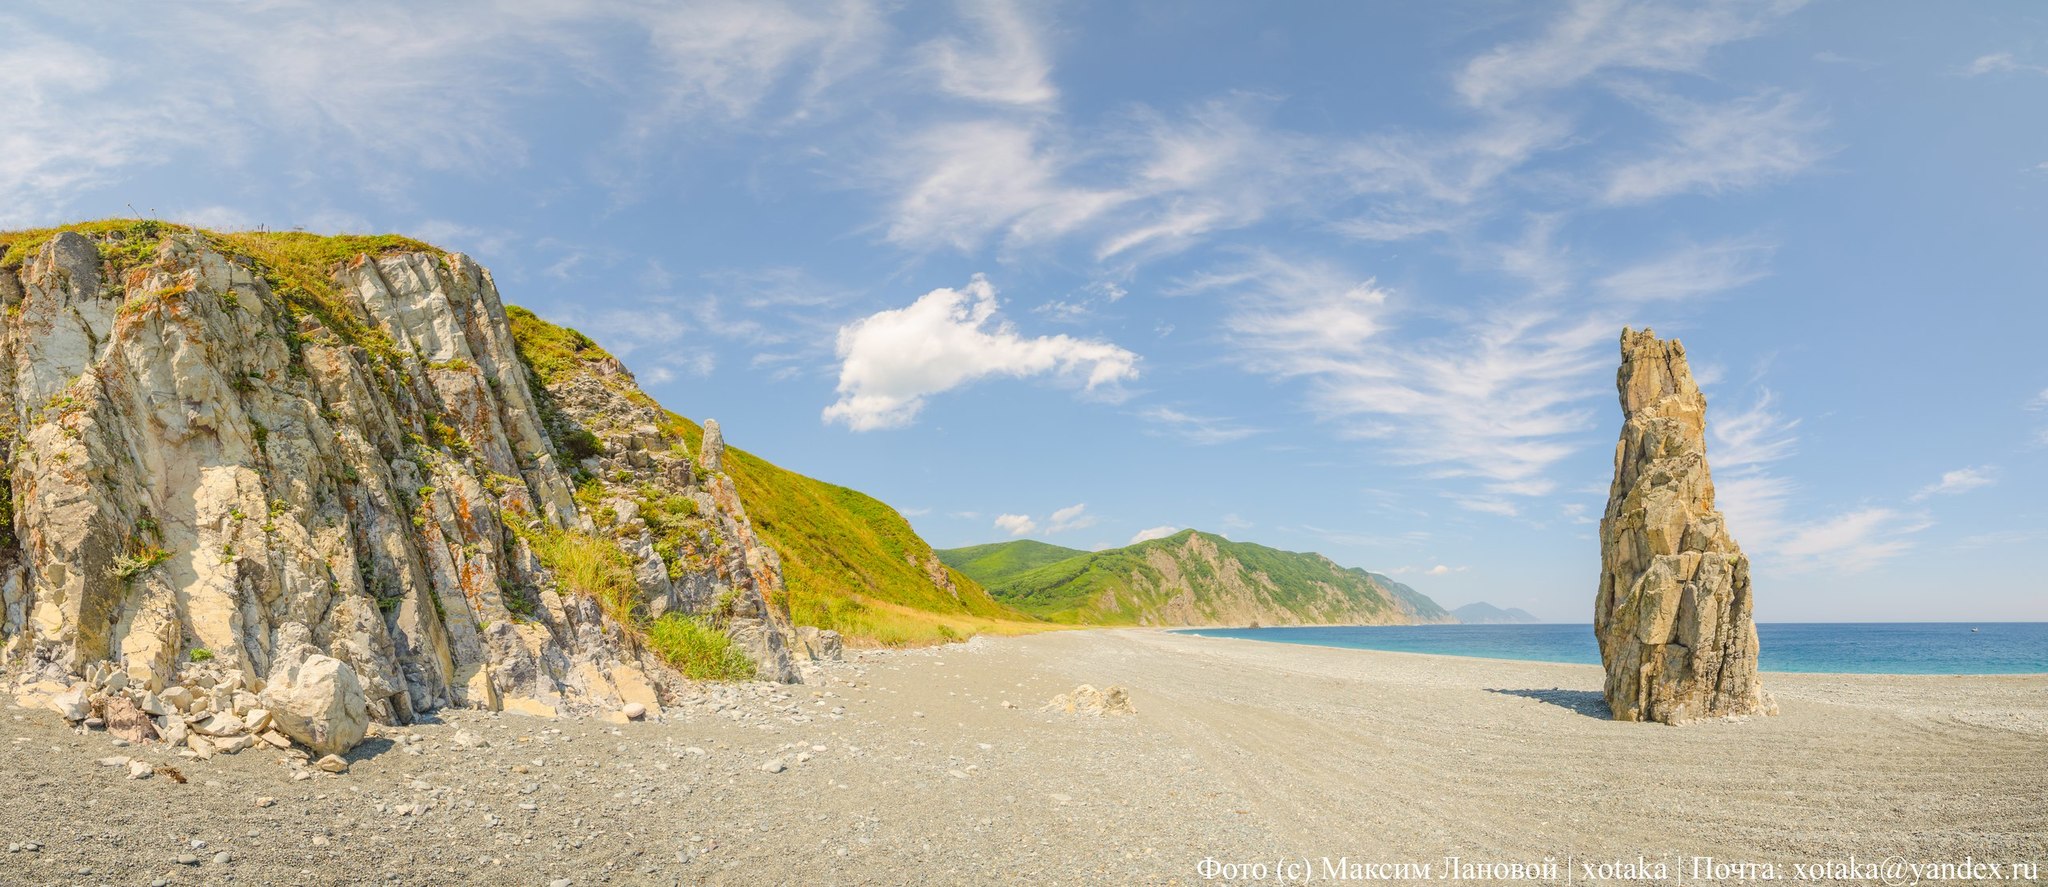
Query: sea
{"x":1827,"y":647}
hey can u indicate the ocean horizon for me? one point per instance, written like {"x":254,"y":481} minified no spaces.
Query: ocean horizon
{"x":1914,"y":648}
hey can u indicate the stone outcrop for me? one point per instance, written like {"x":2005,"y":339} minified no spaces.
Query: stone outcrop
{"x":215,"y":458}
{"x":318,"y":702}
{"x":1674,"y":611}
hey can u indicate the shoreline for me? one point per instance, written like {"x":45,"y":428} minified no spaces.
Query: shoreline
{"x":1196,"y":631}
{"x":942,"y":765}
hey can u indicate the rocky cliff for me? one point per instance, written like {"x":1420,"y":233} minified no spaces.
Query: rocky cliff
{"x":1189,"y":578}
{"x":1673,"y":616}
{"x":222,"y":448}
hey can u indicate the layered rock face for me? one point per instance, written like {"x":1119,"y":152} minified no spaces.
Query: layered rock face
{"x":1673,"y":615}
{"x":210,"y":462}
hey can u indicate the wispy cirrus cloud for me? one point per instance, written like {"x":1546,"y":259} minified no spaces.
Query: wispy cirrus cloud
{"x":2001,"y":63}
{"x":1691,"y":271}
{"x":1593,"y":36}
{"x":1961,"y":480}
{"x":1203,"y":430}
{"x":1718,"y":147}
{"x":1005,"y":63}
{"x":1758,"y":502}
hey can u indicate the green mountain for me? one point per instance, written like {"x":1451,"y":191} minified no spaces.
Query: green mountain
{"x":1189,"y":578}
{"x":1483,"y":613}
{"x":998,"y":562}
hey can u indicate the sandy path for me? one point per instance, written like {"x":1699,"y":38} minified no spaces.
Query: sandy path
{"x":1240,"y":751}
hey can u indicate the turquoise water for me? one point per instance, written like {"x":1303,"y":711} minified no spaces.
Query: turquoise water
{"x":1847,"y":648}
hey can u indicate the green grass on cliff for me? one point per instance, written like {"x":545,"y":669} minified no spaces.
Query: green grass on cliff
{"x":298,"y":266}
{"x":847,"y":559}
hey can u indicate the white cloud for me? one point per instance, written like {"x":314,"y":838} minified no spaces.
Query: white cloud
{"x":1015,"y":524}
{"x":1691,"y":272}
{"x":1715,"y":148}
{"x":964,"y":182}
{"x":2001,"y":63}
{"x":1072,"y":517}
{"x":1147,"y":535}
{"x":1498,"y":396}
{"x":2040,"y":401}
{"x":1197,"y":429}
{"x":892,"y":360}
{"x":1597,"y":35}
{"x":69,"y":126}
{"x":1961,"y":480}
{"x":1751,"y":437}
{"x":1852,"y":542}
{"x":1007,"y":67}
{"x":1756,"y":502}
{"x":729,"y":57}
{"x":1438,"y":570}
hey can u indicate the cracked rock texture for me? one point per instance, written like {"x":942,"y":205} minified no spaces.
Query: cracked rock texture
{"x":206,"y":465}
{"x":1673,"y":615}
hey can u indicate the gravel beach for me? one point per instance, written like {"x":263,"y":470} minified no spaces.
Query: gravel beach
{"x":944,"y":766}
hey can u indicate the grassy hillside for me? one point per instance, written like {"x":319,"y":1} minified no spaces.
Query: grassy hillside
{"x":999,"y":562}
{"x":850,"y":562}
{"x":1191,"y":578}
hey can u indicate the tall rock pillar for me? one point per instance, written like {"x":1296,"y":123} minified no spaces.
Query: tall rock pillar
{"x":1673,"y":616}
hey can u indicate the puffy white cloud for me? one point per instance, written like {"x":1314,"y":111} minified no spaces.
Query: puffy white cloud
{"x":1149,"y":534}
{"x":892,"y":360}
{"x":1961,"y":480}
{"x":1016,"y":524}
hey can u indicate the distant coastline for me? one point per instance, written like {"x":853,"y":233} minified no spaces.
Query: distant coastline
{"x":1901,"y":648}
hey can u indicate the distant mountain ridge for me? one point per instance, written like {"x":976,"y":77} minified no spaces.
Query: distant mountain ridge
{"x":1189,"y":578}
{"x":1483,"y":613}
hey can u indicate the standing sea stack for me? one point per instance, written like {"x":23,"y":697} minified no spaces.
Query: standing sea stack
{"x":1673,"y":618}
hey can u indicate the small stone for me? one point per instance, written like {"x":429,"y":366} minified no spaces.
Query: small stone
{"x":319,"y":840}
{"x":803,"y":757}
{"x":333,"y":764}
{"x":465,"y":740}
{"x":634,"y":711}
{"x":188,"y":859}
{"x":139,"y":770}
{"x":266,"y":801}
{"x":560,"y":882}
{"x":774,"y":766}
{"x":223,"y":857}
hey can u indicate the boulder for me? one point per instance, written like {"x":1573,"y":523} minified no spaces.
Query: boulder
{"x":1673,"y":614}
{"x":1086,"y":700}
{"x":318,"y":701}
{"x":126,"y":720}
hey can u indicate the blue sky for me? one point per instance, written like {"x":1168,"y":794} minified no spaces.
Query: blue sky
{"x":1324,"y":276}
